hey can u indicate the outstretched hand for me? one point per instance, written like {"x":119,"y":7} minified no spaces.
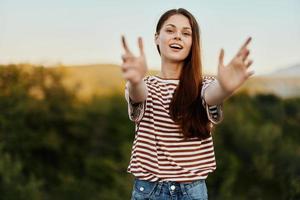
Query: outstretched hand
{"x":134,"y":68}
{"x":233,"y":75}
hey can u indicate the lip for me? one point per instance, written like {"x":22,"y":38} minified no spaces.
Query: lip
{"x":175,"y":50}
{"x":176,"y":44}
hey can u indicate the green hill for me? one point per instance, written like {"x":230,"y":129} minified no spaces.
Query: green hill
{"x":106,"y":79}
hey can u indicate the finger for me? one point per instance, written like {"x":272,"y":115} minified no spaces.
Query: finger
{"x":246,"y":55}
{"x":126,"y":66}
{"x":123,"y":69}
{"x":221,"y":58}
{"x":126,"y":57}
{"x":246,"y":43}
{"x":123,"y":57}
{"x":250,"y":73}
{"x":141,"y":46}
{"x":125,"y":46}
{"x":249,"y":63}
{"x":244,"y":46}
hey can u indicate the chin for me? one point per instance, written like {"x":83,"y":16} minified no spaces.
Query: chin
{"x":176,"y":58}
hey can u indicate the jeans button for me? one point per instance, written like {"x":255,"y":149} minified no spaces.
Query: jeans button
{"x":141,"y":189}
{"x":173,"y":187}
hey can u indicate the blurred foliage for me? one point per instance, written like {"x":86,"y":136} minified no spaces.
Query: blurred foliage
{"x":257,"y":149}
{"x":54,"y":146}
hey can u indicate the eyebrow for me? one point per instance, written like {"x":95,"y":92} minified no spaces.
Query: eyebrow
{"x":175,"y":26}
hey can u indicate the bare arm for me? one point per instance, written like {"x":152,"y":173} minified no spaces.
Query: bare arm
{"x":230,"y":77}
{"x":134,"y":69}
{"x":137,"y":92}
{"x":214,"y":94}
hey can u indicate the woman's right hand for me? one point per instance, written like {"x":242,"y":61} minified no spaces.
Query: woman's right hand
{"x":134,"y":68}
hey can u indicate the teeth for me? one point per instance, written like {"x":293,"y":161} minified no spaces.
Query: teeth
{"x":176,"y":46}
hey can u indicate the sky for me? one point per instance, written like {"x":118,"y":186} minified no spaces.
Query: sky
{"x":73,"y":32}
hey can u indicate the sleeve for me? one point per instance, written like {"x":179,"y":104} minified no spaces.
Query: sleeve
{"x":214,"y":112}
{"x":135,"y":110}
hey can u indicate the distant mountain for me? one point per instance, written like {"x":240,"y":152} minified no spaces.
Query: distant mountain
{"x":284,"y":82}
{"x":292,"y":71}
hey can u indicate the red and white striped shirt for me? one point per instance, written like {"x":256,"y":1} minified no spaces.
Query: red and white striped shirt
{"x":159,"y":151}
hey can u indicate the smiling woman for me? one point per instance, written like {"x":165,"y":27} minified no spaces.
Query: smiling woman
{"x":177,"y":26}
{"x":174,"y":111}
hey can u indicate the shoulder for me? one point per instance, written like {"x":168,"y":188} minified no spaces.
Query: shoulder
{"x":150,"y":80}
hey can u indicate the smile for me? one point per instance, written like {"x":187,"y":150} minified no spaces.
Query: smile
{"x":176,"y":46}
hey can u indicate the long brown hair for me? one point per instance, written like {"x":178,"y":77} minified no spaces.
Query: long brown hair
{"x":186,"y":106}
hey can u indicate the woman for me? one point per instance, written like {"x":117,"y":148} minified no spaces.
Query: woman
{"x":174,"y":111}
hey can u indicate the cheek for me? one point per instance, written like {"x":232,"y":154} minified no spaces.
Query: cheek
{"x":163,"y":44}
{"x":188,"y":45}
{"x":164,"y":38}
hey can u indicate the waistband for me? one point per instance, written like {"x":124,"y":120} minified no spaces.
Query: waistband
{"x":165,"y":185}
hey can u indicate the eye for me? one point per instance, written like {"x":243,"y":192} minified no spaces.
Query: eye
{"x":169,"y":31}
{"x":187,"y":34}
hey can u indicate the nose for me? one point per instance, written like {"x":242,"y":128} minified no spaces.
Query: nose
{"x":177,"y":35}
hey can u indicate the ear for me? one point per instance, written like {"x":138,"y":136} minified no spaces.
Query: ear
{"x":156,"y":39}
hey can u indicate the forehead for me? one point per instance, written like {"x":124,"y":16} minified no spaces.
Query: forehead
{"x":180,"y":21}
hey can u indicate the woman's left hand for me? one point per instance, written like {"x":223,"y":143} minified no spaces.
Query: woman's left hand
{"x":233,"y":75}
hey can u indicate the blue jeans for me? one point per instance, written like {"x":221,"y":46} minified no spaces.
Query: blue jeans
{"x":170,"y":190}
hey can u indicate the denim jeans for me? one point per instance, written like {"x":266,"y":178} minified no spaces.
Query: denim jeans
{"x":170,"y":190}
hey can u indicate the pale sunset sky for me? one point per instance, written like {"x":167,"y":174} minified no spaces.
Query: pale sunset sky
{"x":89,"y":31}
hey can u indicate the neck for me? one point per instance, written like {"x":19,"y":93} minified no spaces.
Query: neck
{"x":170,"y":70}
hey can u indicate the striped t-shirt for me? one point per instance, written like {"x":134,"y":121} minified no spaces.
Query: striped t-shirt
{"x":159,"y":151}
